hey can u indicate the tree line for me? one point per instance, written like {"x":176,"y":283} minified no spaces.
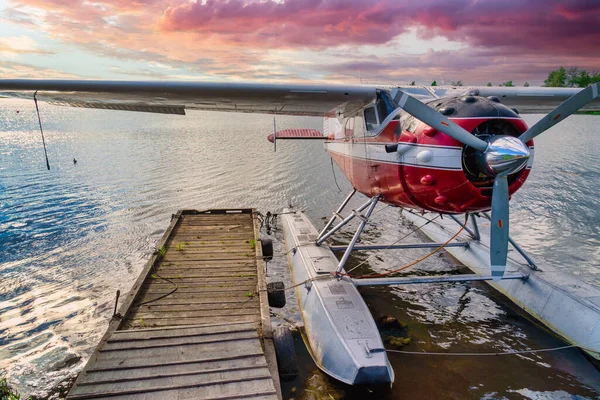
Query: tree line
{"x":561,"y":77}
{"x":572,"y":77}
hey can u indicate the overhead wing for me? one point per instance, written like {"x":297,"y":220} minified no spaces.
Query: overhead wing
{"x":176,"y":97}
{"x":309,"y":100}
{"x":527,"y":100}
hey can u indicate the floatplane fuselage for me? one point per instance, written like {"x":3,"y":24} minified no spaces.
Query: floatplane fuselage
{"x":410,"y":164}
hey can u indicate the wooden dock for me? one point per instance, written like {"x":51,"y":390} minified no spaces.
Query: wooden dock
{"x":196,"y":323}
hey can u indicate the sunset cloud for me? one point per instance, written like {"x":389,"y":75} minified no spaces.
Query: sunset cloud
{"x":337,"y":40}
{"x":14,"y":45}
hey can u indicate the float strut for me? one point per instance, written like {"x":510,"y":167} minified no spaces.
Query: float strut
{"x":336,"y":228}
{"x":336,"y":214}
{"x":475,"y":232}
{"x":364,"y":221}
{"x":518,"y":248}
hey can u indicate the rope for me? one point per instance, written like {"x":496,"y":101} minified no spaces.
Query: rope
{"x":506,"y":353}
{"x":41,"y":130}
{"x":333,"y":172}
{"x":164,"y":295}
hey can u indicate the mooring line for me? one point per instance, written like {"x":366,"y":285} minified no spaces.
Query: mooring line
{"x":506,"y":353}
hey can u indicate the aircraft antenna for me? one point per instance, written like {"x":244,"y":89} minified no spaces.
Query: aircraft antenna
{"x":440,"y":72}
{"x":274,"y":136}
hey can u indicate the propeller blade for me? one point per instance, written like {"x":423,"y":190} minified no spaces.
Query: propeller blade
{"x":499,"y":227}
{"x":561,"y":112}
{"x":436,"y":120}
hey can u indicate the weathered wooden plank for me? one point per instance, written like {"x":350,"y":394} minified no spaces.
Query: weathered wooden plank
{"x":235,"y":352}
{"x":207,"y":257}
{"x":212,"y":230}
{"x":233,"y":313}
{"x":208,"y":221}
{"x":210,"y":263}
{"x":208,"y":244}
{"x":191,"y":281}
{"x":148,"y":334}
{"x":214,"y":282}
{"x":210,"y":381}
{"x":216,"y":339}
{"x":178,"y":327}
{"x":158,"y":352}
{"x":255,"y":391}
{"x":178,"y":273}
{"x":217,"y":252}
{"x":174,"y":370}
{"x":192,"y":275}
{"x":229,"y":217}
{"x":159,"y":307}
{"x":241,"y":227}
{"x":230,"y":226}
{"x":182,"y":300}
{"x":160,"y":322}
{"x":189,"y":266}
{"x":191,"y":293}
{"x":190,"y":394}
{"x":207,"y":237}
{"x":223,"y":290}
{"x":210,"y":259}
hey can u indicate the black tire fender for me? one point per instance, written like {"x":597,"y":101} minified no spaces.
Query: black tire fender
{"x":276,"y":294}
{"x":285,"y":354}
{"x":267,"y":249}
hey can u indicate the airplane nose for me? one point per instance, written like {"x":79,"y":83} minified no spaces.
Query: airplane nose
{"x":506,"y":155}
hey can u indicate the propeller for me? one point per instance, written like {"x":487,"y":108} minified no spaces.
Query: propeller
{"x":499,"y":227}
{"x":436,"y":120}
{"x":501,"y":156}
{"x":561,"y":112}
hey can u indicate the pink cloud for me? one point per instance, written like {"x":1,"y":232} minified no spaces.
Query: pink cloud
{"x":548,"y":25}
{"x":505,"y":38}
{"x":309,"y":23}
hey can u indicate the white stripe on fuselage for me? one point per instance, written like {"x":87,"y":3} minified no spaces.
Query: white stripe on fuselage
{"x":416,"y":155}
{"x":441,"y":157}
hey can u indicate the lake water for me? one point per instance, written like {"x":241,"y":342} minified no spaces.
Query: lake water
{"x":72,"y":236}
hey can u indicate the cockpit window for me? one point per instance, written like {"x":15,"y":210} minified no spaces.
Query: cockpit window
{"x":371,"y":118}
{"x":384,"y":104}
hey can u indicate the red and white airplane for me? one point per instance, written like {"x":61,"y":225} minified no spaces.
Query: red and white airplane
{"x":449,"y":150}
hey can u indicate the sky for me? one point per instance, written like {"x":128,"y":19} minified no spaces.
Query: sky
{"x":338,"y":41}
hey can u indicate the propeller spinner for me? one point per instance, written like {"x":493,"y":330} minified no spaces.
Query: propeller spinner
{"x":501,"y":156}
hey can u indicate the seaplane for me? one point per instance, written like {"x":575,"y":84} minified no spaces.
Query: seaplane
{"x":444,"y":150}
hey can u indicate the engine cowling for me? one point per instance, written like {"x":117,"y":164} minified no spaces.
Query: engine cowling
{"x":446,"y":175}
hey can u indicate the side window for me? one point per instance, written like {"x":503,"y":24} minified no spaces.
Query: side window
{"x":383,"y":109}
{"x":371,"y":118}
{"x":359,"y":126}
{"x":349,"y":128}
